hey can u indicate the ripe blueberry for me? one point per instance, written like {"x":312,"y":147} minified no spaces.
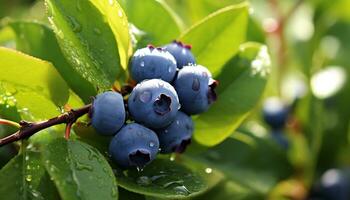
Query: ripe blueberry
{"x":151,"y":62}
{"x":134,"y":146}
{"x":275,"y":113}
{"x":108,"y":113}
{"x":335,"y":184}
{"x":195,"y":89}
{"x":153,"y":103}
{"x":182,"y":53}
{"x":176,"y":136}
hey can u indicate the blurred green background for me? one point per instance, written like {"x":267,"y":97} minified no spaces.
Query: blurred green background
{"x":309,"y":42}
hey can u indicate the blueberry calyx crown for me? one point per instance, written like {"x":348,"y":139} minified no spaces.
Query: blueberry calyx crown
{"x":212,"y":96}
{"x":152,"y":47}
{"x":162,"y":104}
{"x":182,"y":146}
{"x":140,"y":157}
{"x":187,"y":46}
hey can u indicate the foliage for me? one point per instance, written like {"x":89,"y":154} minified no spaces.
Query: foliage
{"x":83,"y":48}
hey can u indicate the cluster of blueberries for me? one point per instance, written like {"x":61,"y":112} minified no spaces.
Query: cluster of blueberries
{"x":170,"y":87}
{"x":275,"y":114}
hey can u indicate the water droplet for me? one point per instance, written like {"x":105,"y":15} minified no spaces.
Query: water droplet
{"x":114,"y":192}
{"x":120,"y":13}
{"x":172,"y":157}
{"x":53,"y":168}
{"x":139,"y":169}
{"x":145,"y":96}
{"x":142,"y":64}
{"x":208,"y":170}
{"x":182,"y":190}
{"x":179,"y":182}
{"x":81,"y":166}
{"x":144,"y":181}
{"x":196,"y":84}
{"x":124,"y":23}
{"x":29,"y":178}
{"x":151,"y":144}
{"x":97,"y":31}
{"x":76,"y":26}
{"x":78,"y":5}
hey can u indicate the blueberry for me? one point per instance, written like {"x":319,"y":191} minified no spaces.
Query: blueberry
{"x":153,"y":103}
{"x":182,"y":53}
{"x":134,"y":146}
{"x":335,"y":185}
{"x":176,"y":136}
{"x":151,"y":62}
{"x":280,"y":138}
{"x":108,"y":113}
{"x":275,"y":113}
{"x":195,"y":89}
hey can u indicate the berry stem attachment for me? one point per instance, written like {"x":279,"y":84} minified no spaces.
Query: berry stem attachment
{"x":10,"y":123}
{"x":27,"y":129}
{"x":68,"y":129}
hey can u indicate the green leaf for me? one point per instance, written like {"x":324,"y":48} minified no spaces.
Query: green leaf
{"x":79,"y":171}
{"x":166,"y":179}
{"x":229,"y":190}
{"x":34,"y":85}
{"x":127,"y":195}
{"x":255,"y":166}
{"x":94,"y":37}
{"x":24,"y":177}
{"x":154,"y":17}
{"x":6,"y":37}
{"x":242,"y":82}
{"x":216,"y":38}
{"x":34,"y":38}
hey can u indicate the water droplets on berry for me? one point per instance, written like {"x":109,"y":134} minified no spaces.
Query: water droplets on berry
{"x":145,"y":96}
{"x":142,"y":64}
{"x":196,"y":84}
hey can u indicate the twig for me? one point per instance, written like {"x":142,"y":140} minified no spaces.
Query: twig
{"x":10,"y":123}
{"x":28,"y":129}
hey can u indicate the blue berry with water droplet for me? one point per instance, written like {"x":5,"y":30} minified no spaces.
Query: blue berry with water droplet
{"x":108,"y":113}
{"x":195,"y":88}
{"x":151,"y":62}
{"x":177,"y":136}
{"x":153,"y":103}
{"x":134,"y":146}
{"x":182,"y":53}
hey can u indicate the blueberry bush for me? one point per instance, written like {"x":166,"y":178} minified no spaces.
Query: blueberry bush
{"x":174,"y":99}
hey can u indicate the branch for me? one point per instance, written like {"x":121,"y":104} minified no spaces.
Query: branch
{"x":28,"y":129}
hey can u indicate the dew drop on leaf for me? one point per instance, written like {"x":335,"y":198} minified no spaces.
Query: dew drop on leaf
{"x":76,"y":26}
{"x":144,"y":181}
{"x":114,"y":192}
{"x":120,"y":13}
{"x":28,"y":177}
{"x":182,"y":190}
